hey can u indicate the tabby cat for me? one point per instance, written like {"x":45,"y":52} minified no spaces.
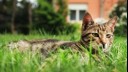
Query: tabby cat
{"x":96,"y":35}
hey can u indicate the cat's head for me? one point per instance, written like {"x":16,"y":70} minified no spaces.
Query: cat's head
{"x":97,"y":36}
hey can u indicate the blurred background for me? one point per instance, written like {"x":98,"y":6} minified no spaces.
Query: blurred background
{"x":57,"y":16}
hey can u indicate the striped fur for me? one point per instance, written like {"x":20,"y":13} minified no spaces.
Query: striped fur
{"x":92,"y":34}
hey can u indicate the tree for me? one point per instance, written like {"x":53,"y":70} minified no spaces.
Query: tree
{"x":63,"y":9}
{"x":30,"y":16}
{"x":21,"y":17}
{"x":5,"y":15}
{"x":13,"y":17}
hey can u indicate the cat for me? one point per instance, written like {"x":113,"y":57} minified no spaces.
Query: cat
{"x":92,"y":34}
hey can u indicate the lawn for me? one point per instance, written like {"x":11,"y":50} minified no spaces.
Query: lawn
{"x":62,"y":61}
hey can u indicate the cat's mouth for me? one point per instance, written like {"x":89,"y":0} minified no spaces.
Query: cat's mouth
{"x":105,"y":50}
{"x":104,"y":47}
{"x":97,"y":49}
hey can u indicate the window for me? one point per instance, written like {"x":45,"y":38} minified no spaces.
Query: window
{"x":72,"y":14}
{"x":76,"y":12}
{"x":81,"y":14}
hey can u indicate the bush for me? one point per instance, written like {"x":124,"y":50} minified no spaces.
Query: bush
{"x":65,"y":29}
{"x":49,"y":21}
{"x":121,"y":30}
{"x":70,"y":28}
{"x":120,"y":9}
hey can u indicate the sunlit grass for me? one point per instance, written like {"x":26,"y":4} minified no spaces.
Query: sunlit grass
{"x":63,"y":60}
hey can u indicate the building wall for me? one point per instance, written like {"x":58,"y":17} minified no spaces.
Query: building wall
{"x":108,"y":4}
{"x":94,"y":7}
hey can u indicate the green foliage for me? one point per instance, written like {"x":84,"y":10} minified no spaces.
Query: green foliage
{"x":121,"y":30}
{"x":46,"y":19}
{"x":120,"y":10}
{"x":21,"y":17}
{"x":63,"y":7}
{"x":69,"y":29}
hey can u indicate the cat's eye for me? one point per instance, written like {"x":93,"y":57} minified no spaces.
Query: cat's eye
{"x":108,"y":36}
{"x":95,"y":34}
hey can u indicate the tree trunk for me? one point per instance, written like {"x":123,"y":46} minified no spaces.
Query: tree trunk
{"x":30,"y":16}
{"x":13,"y":17}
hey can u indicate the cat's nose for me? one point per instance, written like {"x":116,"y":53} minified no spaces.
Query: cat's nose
{"x":103,"y":41}
{"x":104,"y":45}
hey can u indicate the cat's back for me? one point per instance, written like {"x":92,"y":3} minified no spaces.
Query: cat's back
{"x":45,"y":44}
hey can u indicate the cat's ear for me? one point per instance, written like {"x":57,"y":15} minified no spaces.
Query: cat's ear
{"x":87,"y":21}
{"x":112,"y":22}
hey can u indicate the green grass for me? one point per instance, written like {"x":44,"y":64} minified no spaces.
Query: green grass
{"x":62,"y":61}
